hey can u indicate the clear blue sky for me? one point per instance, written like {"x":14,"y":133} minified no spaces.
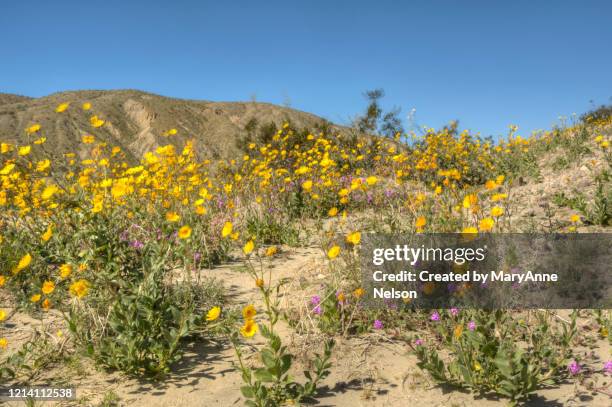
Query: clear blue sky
{"x":486,"y":63}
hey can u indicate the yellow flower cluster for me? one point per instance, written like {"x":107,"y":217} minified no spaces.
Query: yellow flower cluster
{"x":199,"y":200}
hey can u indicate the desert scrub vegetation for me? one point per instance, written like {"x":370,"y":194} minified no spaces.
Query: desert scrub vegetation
{"x":272,"y":383}
{"x":488,"y":356}
{"x":115,"y":248}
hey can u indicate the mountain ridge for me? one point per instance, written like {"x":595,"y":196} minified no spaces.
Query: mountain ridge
{"x":137,"y":120}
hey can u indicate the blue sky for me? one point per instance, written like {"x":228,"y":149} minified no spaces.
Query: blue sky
{"x":487,"y":63}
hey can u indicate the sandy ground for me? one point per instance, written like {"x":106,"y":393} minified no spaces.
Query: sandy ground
{"x":367,"y":371}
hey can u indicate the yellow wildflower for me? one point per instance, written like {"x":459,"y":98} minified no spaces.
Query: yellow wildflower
{"x":490,"y":185}
{"x":227,"y":229}
{"x":249,"y":312}
{"x":354,"y":238}
{"x":248,"y":247}
{"x":249,"y":328}
{"x":172,"y":217}
{"x":23,"y":263}
{"x":470,"y":201}
{"x":213,"y":314}
{"x":497,"y":211}
{"x":307,"y":185}
{"x":33,"y":129}
{"x":420,"y":222}
{"x":458,"y":331}
{"x":62,"y":107}
{"x":79,"y":288}
{"x":184,"y":232}
{"x":486,"y":224}
{"x":48,"y":287}
{"x":333,"y":252}
{"x":65,"y":270}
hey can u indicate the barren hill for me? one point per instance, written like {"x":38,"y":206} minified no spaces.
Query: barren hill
{"x":136,"y":120}
{"x":7,"y":98}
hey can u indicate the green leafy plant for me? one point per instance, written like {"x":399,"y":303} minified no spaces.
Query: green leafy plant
{"x":596,"y":212}
{"x":144,"y":329}
{"x":138,"y":327}
{"x":270,"y":229}
{"x":31,"y":359}
{"x":498,"y":354}
{"x":272,"y":384}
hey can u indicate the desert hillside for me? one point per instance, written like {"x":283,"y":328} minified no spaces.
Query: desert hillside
{"x":137,"y":120}
{"x":174,"y":280}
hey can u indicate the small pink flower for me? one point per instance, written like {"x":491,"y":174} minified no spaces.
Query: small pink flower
{"x":418,"y":342}
{"x":454,"y":311}
{"x":574,"y":367}
{"x":471,"y":325}
{"x":608,"y":367}
{"x":378,"y":324}
{"x":435,"y":316}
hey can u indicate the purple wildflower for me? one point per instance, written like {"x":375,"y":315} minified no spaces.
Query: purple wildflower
{"x":317,"y":310}
{"x":454,"y":311}
{"x":574,"y":367}
{"x":315,"y":300}
{"x":435,"y":316}
{"x":471,"y":325}
{"x":418,"y":342}
{"x":137,"y":244}
{"x":378,"y":324}
{"x":608,"y":367}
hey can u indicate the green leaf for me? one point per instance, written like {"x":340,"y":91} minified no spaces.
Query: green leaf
{"x":264,"y":375}
{"x":247,"y":392}
{"x":502,"y":362}
{"x":268,"y":358}
{"x":285,"y":363}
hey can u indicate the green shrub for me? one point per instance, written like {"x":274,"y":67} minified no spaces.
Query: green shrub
{"x":269,"y":229}
{"x":498,"y":354}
